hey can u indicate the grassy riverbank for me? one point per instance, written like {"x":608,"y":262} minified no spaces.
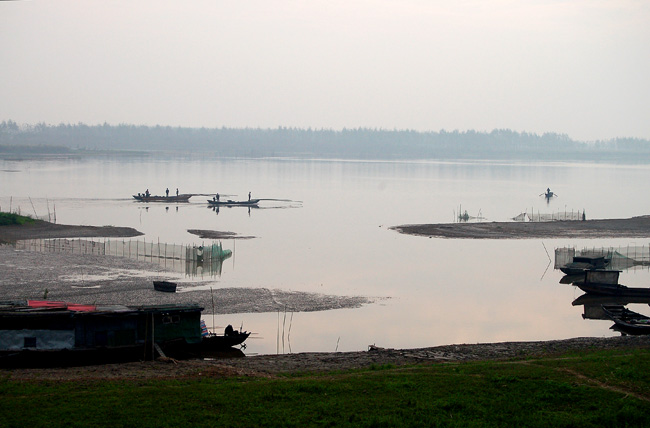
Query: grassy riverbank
{"x":592,"y":388}
{"x":7,"y":219}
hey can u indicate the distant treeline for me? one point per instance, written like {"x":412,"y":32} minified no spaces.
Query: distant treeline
{"x":361,"y":143}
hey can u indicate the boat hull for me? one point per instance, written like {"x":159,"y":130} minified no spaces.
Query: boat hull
{"x":164,"y":286}
{"x":614,"y":290}
{"x":152,"y":198}
{"x":230,"y":203}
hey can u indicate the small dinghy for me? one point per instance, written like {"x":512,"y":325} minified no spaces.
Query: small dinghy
{"x":166,"y":286}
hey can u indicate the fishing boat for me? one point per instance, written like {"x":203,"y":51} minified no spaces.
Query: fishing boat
{"x":627,"y":321}
{"x":548,"y":194}
{"x":155,"y":198}
{"x":605,"y":282}
{"x":165,"y":286}
{"x":219,"y":342}
{"x":609,"y":299}
{"x":231,"y":203}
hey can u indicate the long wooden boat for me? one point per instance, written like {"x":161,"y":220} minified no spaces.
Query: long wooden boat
{"x":155,"y":198}
{"x":614,"y":290}
{"x":609,"y":299}
{"x":627,"y":321}
{"x":231,"y":203}
{"x":605,"y":282}
{"x":165,"y":286}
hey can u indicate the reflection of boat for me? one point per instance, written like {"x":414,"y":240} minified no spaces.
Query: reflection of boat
{"x":604,"y":299}
{"x":627,"y":321}
{"x":155,"y":198}
{"x":582,"y":263}
{"x":572,"y":279}
{"x":231,"y":203}
{"x":166,"y":286}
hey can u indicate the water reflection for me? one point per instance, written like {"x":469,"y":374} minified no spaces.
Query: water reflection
{"x":191,"y":260}
{"x":343,"y":224}
{"x":573,"y":261}
{"x":606,"y":299}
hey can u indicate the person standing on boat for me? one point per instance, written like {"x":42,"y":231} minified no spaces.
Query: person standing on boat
{"x":146,"y":193}
{"x":167,"y":192}
{"x":249,"y":196}
{"x":177,"y":191}
{"x":217,"y":197}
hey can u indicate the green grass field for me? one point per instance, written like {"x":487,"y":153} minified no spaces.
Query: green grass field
{"x":594,"y":389}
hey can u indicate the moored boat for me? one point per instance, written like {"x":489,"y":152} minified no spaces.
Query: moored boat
{"x":165,"y":286}
{"x":605,"y":282}
{"x":627,"y":321}
{"x":219,"y":342}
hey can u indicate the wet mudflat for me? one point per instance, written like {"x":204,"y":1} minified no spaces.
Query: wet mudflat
{"x":94,"y":279}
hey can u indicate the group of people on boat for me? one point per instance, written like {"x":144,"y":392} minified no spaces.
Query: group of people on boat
{"x":167,"y":192}
{"x":146,"y":193}
{"x":215,"y":198}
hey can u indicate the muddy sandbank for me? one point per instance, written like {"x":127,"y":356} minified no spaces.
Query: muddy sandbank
{"x":215,"y":234}
{"x":40,"y":229}
{"x":87,"y":278}
{"x":635,"y":227}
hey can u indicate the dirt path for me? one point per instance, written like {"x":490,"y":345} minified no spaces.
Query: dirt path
{"x":635,"y":227}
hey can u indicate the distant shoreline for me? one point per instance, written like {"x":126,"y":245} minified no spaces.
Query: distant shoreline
{"x":635,"y":227}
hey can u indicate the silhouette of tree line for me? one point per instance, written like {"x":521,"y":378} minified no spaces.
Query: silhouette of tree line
{"x":358,"y":143}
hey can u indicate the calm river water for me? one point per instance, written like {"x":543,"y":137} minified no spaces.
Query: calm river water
{"x":334,"y":238}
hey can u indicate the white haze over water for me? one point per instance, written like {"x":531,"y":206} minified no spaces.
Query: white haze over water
{"x":577,"y":67}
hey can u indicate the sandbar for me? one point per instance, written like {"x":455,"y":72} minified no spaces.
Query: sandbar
{"x":635,"y":227}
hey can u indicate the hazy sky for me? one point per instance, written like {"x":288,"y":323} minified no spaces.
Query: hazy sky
{"x":576,"y":67}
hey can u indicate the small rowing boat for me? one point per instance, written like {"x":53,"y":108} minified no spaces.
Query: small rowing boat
{"x":166,"y":286}
{"x":231,"y":203}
